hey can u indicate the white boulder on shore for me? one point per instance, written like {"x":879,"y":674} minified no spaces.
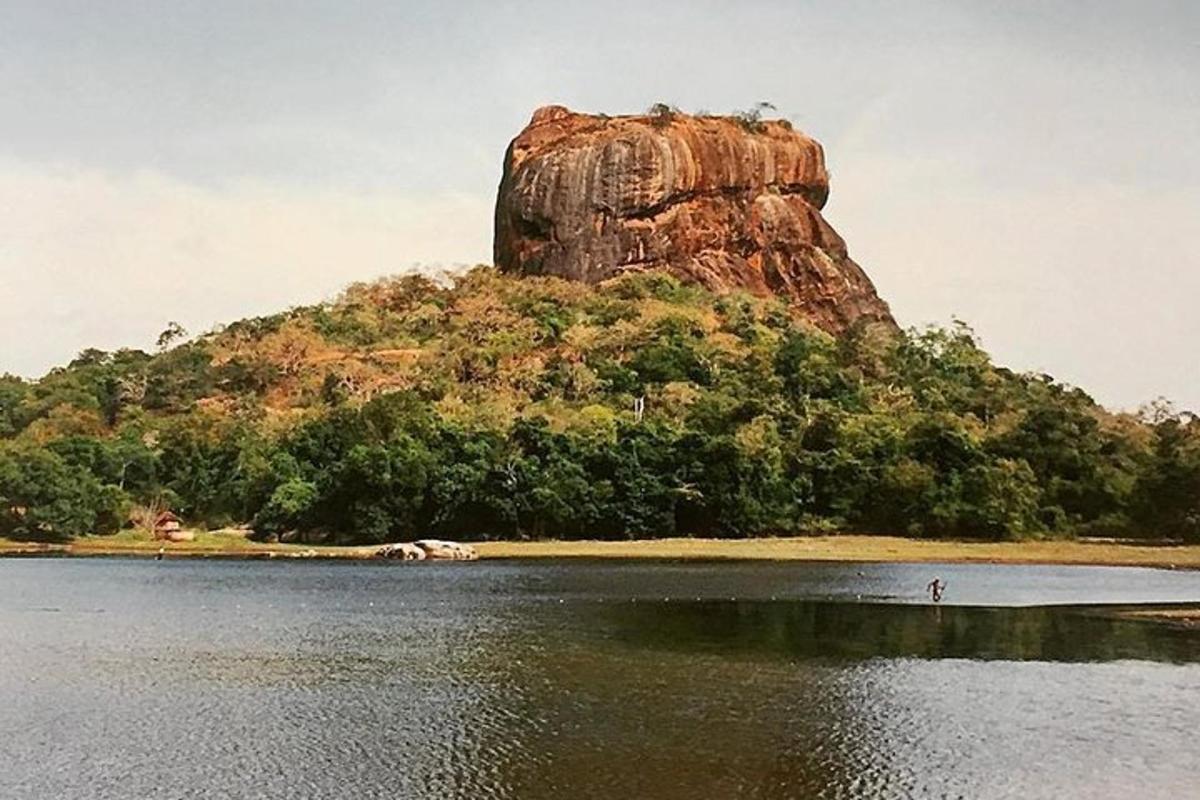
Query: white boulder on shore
{"x":401,"y":551}
{"x":433,"y":549}
{"x":439,"y":548}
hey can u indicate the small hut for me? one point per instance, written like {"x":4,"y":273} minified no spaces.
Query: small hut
{"x":168,"y":526}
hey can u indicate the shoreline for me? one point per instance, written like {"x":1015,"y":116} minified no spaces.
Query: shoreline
{"x":847,"y":548}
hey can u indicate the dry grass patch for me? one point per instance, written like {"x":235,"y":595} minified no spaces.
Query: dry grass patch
{"x":857,"y":548}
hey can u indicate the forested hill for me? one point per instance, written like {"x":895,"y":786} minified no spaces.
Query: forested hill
{"x":504,"y":407}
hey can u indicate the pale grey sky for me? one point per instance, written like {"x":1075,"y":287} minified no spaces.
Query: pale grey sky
{"x":1030,"y":167}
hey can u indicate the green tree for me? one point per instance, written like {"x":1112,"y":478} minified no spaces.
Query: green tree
{"x":289,"y":506}
{"x":43,"y":498}
{"x":1168,"y":492}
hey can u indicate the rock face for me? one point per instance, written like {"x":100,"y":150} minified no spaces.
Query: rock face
{"x":713,"y":200}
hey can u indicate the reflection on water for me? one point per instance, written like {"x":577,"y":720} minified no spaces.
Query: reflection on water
{"x":128,"y":679}
{"x":864,"y":630}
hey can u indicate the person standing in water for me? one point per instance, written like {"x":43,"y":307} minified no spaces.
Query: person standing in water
{"x":935,"y":588}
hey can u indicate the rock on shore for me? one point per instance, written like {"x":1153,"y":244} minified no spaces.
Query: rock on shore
{"x":401,"y":551}
{"x":438,"y":548}
{"x":427,"y":549}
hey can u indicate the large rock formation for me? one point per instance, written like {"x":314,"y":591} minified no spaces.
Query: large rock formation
{"x":728,"y":203}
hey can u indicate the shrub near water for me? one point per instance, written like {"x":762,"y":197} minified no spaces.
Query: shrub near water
{"x":500,"y":407}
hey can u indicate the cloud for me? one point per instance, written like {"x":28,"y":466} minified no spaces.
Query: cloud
{"x":95,"y":259}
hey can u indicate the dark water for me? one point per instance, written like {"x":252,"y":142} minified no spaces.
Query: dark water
{"x":186,"y":679}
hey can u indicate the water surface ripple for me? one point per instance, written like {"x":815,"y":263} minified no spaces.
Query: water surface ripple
{"x":125,"y":678}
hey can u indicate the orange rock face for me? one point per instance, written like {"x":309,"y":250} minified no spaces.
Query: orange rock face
{"x":708,"y":199}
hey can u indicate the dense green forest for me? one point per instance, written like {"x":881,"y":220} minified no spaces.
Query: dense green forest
{"x":491,"y":406}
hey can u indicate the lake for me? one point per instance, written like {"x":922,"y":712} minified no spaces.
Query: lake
{"x":130,"y":678}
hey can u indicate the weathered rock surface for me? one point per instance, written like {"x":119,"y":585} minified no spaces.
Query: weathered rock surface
{"x":438,"y":548}
{"x":403,"y":551}
{"x":709,"y":199}
{"x":427,"y":549}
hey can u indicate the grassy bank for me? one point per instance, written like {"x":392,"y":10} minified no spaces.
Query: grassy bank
{"x":860,"y":548}
{"x":814,"y":548}
{"x":216,"y":544}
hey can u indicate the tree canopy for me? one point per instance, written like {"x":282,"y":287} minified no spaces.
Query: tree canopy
{"x":492,"y":406}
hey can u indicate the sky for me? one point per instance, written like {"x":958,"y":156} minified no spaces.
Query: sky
{"x":1032,"y":168}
